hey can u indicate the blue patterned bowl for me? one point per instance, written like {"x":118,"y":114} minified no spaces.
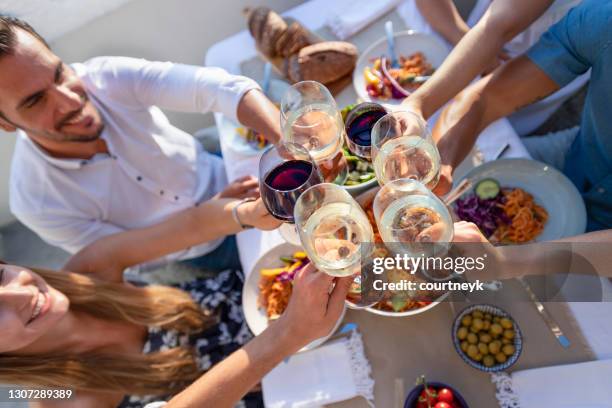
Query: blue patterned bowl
{"x":495,"y":311}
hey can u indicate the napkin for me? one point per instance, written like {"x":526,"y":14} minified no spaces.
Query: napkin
{"x":584,"y":385}
{"x":348,"y":17}
{"x":330,"y":373}
{"x":493,"y":138}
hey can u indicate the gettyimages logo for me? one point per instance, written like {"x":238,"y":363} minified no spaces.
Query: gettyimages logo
{"x":395,"y":273}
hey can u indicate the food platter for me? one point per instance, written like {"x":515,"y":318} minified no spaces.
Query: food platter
{"x":365,"y":199}
{"x":406,"y":43}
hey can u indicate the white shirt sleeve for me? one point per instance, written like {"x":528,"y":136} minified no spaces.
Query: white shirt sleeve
{"x":70,"y":234}
{"x":176,"y":87}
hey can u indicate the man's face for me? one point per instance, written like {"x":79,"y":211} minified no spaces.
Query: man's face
{"x":43,"y":96}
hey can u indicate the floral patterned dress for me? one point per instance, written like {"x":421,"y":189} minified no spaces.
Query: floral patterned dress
{"x":222,"y":294}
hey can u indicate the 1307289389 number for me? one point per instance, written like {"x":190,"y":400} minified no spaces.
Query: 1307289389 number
{"x":33,"y":394}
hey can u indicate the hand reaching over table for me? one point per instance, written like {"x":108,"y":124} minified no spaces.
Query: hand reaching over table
{"x":243,"y":187}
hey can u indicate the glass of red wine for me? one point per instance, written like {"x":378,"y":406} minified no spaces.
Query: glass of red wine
{"x":285,"y":172}
{"x":358,"y":125}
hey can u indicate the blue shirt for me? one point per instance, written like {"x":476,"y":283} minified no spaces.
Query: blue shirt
{"x":583,"y":40}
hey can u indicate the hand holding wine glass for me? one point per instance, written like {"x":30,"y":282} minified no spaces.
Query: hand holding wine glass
{"x":408,"y":214}
{"x":311,"y":118}
{"x":255,"y":214}
{"x":402,"y":147}
{"x":285,"y":172}
{"x":337,"y":236}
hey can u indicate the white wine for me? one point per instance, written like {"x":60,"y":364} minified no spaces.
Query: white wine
{"x":410,"y":157}
{"x":320,"y":129}
{"x":333,"y":237}
{"x":414,"y":220}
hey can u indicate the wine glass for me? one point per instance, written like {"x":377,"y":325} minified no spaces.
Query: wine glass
{"x":337,"y":236}
{"x":310,"y":118}
{"x":402,"y":147}
{"x":412,"y":220}
{"x":358,"y":126}
{"x":285,"y":172}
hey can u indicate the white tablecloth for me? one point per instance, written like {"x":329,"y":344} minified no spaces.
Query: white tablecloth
{"x":593,"y":318}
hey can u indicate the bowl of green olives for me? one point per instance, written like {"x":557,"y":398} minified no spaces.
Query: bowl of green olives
{"x":487,"y":338}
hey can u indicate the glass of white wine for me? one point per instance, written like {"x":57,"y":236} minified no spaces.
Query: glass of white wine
{"x":311,"y":118}
{"x":332,"y":228}
{"x":402,"y":147}
{"x":412,"y":220}
{"x":338,"y":237}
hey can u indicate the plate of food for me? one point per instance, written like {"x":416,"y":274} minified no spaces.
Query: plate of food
{"x":268,"y":288}
{"x":419,"y":56}
{"x":516,"y":201}
{"x":404,"y":303}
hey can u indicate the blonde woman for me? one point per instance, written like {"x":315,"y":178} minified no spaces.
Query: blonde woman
{"x":110,"y":341}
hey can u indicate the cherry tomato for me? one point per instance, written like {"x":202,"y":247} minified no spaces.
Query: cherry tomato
{"x":445,"y":395}
{"x":430,"y":395}
{"x":421,"y":403}
{"x":442,"y":405}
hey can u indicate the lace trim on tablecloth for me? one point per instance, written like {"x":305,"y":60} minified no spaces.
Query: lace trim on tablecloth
{"x":506,"y":395}
{"x":362,"y":371}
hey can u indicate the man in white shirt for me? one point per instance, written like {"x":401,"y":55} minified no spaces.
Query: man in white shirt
{"x":96,"y":157}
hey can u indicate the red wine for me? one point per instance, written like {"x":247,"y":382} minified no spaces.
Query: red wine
{"x":289,"y":175}
{"x":284,"y":184}
{"x":361,"y":120}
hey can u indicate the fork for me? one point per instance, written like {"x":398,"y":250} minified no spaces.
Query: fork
{"x":391,"y":44}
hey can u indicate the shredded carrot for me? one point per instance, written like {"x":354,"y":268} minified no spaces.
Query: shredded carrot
{"x":527,"y":217}
{"x":274,"y":295}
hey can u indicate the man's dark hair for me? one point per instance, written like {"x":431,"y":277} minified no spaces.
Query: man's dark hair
{"x":8,"y":25}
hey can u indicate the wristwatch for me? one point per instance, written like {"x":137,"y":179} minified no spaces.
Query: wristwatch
{"x":235,"y":212}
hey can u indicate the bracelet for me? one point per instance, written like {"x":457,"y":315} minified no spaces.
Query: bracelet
{"x":235,"y":212}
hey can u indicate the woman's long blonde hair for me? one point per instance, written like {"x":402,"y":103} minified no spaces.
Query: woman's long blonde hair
{"x":162,"y":372}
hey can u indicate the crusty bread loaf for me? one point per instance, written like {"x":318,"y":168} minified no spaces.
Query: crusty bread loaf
{"x":293,"y":40}
{"x":257,"y":18}
{"x":323,"y":62}
{"x":266,"y":27}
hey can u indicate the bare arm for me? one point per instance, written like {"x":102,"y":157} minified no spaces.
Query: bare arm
{"x":502,"y":21}
{"x":550,"y":258}
{"x":512,"y":86}
{"x":109,"y":256}
{"x":443,"y":16}
{"x":257,"y":112}
{"x":581,"y":254}
{"x":312,"y":313}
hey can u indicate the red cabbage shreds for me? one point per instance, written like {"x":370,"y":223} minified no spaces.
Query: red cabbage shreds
{"x":487,"y":214}
{"x":288,"y":276}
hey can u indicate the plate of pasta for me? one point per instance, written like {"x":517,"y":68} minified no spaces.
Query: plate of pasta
{"x":517,"y":201}
{"x":268,"y":288}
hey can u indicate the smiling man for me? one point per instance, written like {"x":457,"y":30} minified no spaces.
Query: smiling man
{"x":96,"y":157}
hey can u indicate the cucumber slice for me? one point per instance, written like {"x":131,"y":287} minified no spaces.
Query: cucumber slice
{"x":487,"y":189}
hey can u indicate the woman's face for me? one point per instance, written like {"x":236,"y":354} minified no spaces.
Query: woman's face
{"x":29,"y":307}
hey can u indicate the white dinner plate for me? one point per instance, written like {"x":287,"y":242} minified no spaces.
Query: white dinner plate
{"x":406,"y":43}
{"x":256,"y":317}
{"x":550,"y":188}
